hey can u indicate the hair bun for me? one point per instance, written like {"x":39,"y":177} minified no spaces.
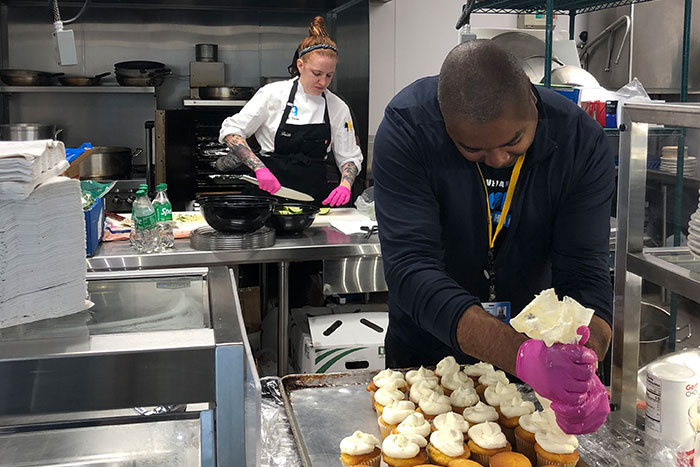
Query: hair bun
{"x":318,"y":27}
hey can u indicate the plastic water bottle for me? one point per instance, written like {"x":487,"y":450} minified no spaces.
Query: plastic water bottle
{"x":164,"y":214}
{"x":132,"y":235}
{"x":145,"y":224}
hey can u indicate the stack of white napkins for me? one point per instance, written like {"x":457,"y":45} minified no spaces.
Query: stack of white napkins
{"x":42,"y":253}
{"x":26,"y":164}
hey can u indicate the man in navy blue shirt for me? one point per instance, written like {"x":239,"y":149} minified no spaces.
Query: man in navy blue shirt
{"x":488,"y":190}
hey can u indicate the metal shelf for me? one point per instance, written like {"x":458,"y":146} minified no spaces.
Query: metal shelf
{"x":562,"y":7}
{"x":80,"y":89}
{"x":213,"y":103}
{"x":673,"y":268}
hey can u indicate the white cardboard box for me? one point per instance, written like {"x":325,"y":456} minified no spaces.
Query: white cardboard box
{"x":339,"y":342}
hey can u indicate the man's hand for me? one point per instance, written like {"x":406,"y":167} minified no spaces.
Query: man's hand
{"x":588,"y":414}
{"x":561,"y":373}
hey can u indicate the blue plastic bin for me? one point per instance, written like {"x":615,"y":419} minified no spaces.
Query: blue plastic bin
{"x":94,"y":226}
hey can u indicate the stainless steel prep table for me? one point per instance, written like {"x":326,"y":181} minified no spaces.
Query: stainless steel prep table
{"x":351,"y":252}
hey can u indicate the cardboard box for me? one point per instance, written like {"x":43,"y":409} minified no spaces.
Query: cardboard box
{"x":250,"y":307}
{"x":338,"y":342}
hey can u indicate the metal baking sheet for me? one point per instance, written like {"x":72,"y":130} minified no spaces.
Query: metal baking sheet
{"x":325,"y":408}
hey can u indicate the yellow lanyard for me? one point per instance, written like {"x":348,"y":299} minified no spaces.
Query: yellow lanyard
{"x":506,"y":206}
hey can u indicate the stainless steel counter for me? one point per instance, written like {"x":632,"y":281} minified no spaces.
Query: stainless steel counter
{"x":314,"y":243}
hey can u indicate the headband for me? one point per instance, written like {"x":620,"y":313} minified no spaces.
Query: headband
{"x":316,"y":47}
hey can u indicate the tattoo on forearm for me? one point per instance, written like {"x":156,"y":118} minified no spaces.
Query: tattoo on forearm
{"x":349,"y":173}
{"x":240,"y":153}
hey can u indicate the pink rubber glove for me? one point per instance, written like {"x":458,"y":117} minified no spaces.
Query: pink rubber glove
{"x":586,"y":416}
{"x":338,"y":197}
{"x":561,"y":373}
{"x":267,"y":181}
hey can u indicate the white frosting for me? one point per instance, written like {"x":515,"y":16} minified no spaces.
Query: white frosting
{"x":397,"y":411}
{"x":480,"y":413}
{"x":500,"y":392}
{"x":488,"y":435}
{"x":446,"y":366}
{"x":534,"y":422}
{"x":435,"y":404}
{"x":448,"y":442}
{"x":493,"y":377}
{"x":415,"y":424}
{"x":454,"y":380}
{"x":384,"y":377}
{"x":556,"y":441}
{"x":548,"y":319}
{"x":464,"y":396}
{"x":478,"y":369}
{"x":387,"y":394}
{"x":359,"y":443}
{"x":400,"y":446}
{"x":451,"y":421}
{"x":516,"y":407}
{"x":421,"y":373}
{"x":423,"y":389}
{"x":421,"y":441}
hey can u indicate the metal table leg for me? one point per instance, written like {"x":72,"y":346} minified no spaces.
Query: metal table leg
{"x":283,"y":319}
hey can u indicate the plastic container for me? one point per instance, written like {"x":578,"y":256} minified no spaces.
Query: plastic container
{"x":164,"y":215}
{"x":94,"y":225}
{"x":145,"y":224}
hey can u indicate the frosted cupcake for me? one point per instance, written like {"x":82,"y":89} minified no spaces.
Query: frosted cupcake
{"x":393,"y":414}
{"x":480,"y":413}
{"x":462,"y":398}
{"x":434,"y":405}
{"x":450,"y":421}
{"x":486,"y":440}
{"x":385,"y":395}
{"x":446,"y":366}
{"x":403,"y":451}
{"x":452,"y":381}
{"x":556,"y":448}
{"x":384,"y":377}
{"x":477,"y":370}
{"x":414,"y":424}
{"x":490,"y":379}
{"x":413,"y":376}
{"x":360,"y":449}
{"x":509,"y":459}
{"x":528,"y":425}
{"x":423,"y":388}
{"x":447,"y":445}
{"x":498,"y":393}
{"x":510,"y":413}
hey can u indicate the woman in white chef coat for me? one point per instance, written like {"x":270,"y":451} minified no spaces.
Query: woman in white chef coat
{"x":298,"y":123}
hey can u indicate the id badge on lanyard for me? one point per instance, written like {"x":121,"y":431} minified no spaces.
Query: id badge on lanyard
{"x":490,"y":273}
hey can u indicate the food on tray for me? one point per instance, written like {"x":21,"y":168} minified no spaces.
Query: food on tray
{"x":447,"y":445}
{"x":423,"y":389}
{"x":499,"y":392}
{"x":446,"y":366}
{"x":463,"y":463}
{"x":528,"y":425}
{"x":404,"y":450}
{"x":509,"y":459}
{"x":548,"y":319}
{"x":486,"y":440}
{"x":393,"y":414}
{"x":414,"y":424}
{"x":451,"y":421}
{"x":454,"y":380}
{"x":434,"y":405}
{"x":480,"y":413}
{"x":477,"y":370}
{"x":490,"y":378}
{"x":462,"y":398}
{"x":387,"y":394}
{"x":554,"y":447}
{"x":510,"y":412}
{"x":413,"y":376}
{"x":360,"y":449}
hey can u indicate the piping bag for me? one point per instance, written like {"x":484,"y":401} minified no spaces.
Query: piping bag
{"x":553,"y":321}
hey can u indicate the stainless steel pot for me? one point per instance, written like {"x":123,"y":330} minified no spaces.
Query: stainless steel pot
{"x":653,"y":333}
{"x":16,"y":77}
{"x":226,"y":93}
{"x":108,"y":163}
{"x":28,"y":132}
{"x":206,"y":52}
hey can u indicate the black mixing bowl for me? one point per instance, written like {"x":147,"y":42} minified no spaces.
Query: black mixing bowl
{"x":300,"y":217}
{"x":236,"y":213}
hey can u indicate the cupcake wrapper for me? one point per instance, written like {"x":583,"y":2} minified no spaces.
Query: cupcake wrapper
{"x":482,"y":459}
{"x":510,"y":435}
{"x":541,"y":460}
{"x":372,"y":462}
{"x":526,"y":448}
{"x":384,"y":429}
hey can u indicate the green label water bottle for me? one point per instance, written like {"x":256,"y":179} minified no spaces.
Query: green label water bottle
{"x":164,"y":212}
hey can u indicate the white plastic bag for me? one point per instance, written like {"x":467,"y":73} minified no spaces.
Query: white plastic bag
{"x":365,"y":203}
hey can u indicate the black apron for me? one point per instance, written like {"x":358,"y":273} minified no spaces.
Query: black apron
{"x":299,"y":157}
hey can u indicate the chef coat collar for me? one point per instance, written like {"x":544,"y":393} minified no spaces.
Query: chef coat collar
{"x":301,"y":88}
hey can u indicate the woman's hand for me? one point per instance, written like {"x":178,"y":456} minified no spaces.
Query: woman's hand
{"x":338,"y":197}
{"x":267,"y":181}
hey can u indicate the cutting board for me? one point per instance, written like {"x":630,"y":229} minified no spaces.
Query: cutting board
{"x":343,"y":214}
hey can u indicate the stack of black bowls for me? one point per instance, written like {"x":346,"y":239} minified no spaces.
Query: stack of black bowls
{"x":140,"y":73}
{"x":236,"y":213}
